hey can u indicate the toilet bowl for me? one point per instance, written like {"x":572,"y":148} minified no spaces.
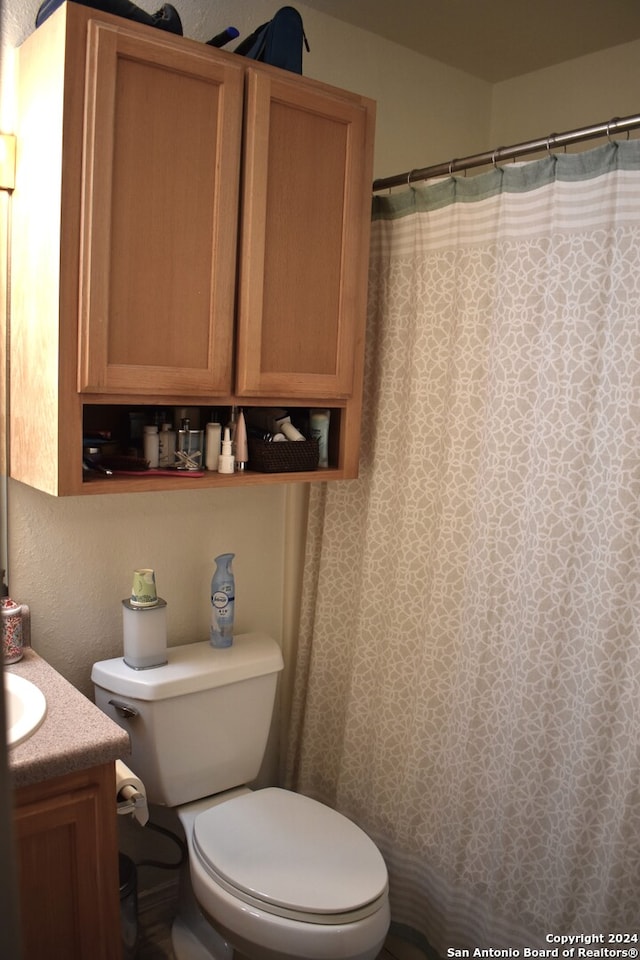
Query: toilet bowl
{"x":272,"y":875}
{"x":283,"y":877}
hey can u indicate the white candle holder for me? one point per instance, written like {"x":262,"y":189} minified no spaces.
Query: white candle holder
{"x":145,"y":634}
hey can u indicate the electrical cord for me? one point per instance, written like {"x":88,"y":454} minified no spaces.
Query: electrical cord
{"x":178,"y":842}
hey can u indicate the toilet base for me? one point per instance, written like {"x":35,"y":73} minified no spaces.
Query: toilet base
{"x":192,"y":936}
{"x":195,"y":938}
{"x":187,"y":946}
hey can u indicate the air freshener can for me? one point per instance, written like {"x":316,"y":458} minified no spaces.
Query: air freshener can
{"x":223,"y":595}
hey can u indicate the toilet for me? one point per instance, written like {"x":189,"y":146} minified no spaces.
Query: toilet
{"x":272,"y":874}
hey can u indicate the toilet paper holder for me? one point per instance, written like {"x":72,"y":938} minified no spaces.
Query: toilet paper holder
{"x":131,"y":795}
{"x":132,"y":800}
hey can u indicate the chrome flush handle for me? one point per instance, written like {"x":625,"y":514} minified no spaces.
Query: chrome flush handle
{"x":124,"y":710}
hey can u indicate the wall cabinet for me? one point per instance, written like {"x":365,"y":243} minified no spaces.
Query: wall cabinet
{"x":161,"y":152}
{"x":189,"y":228}
{"x":66,"y":843}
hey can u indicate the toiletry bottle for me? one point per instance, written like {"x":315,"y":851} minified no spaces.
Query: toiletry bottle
{"x":223,"y":594}
{"x":225,"y":462}
{"x":242,"y":449}
{"x":12,"y":634}
{"x":319,"y":427}
{"x":166,"y":446}
{"x":190,"y":443}
{"x":291,"y":433}
{"x":232,"y":424}
{"x":213,"y":439}
{"x":151,"y":445}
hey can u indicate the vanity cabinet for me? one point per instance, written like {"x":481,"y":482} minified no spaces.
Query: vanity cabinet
{"x":66,"y":842}
{"x":189,"y":228}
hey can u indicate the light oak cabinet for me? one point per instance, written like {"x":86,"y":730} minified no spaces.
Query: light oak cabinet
{"x":66,"y":842}
{"x":161,"y":154}
{"x":302,"y":260}
{"x":189,"y":228}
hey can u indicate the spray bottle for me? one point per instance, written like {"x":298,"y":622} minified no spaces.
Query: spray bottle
{"x":223,"y":595}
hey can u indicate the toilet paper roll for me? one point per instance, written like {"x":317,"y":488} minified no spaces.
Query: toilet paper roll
{"x":131,"y":796}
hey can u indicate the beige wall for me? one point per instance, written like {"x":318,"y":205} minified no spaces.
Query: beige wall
{"x":71,"y":560}
{"x":581,"y":92}
{"x":425,"y":110}
{"x":424,"y":107}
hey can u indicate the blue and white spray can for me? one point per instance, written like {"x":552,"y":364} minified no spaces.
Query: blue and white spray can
{"x":223,"y":595}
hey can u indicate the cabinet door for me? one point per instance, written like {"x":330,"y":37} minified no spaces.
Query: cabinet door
{"x":67,"y":867}
{"x":304,"y":238}
{"x":163,"y":126}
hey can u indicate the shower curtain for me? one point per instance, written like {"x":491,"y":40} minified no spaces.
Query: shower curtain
{"x":468,"y":676}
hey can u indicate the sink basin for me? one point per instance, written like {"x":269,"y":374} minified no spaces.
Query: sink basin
{"x":25,"y":706}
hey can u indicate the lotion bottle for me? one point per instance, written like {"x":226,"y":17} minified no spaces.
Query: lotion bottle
{"x":285,"y":426}
{"x":212,"y":446}
{"x":223,"y":595}
{"x":242,"y":450}
{"x":151,"y":446}
{"x":319,"y":423}
{"x":166,"y":446}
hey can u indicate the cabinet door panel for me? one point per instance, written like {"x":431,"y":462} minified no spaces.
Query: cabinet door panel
{"x":157,"y":276}
{"x":67,"y":867}
{"x":304,"y":240}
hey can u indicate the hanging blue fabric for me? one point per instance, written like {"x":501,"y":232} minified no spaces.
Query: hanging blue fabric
{"x":278,"y":42}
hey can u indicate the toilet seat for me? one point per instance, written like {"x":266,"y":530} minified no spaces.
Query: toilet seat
{"x":291,"y":857}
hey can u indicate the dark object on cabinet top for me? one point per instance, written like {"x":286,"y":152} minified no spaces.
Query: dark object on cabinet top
{"x":278,"y":42}
{"x":166,"y":18}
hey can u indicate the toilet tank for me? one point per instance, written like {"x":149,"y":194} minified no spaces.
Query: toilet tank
{"x":199,"y":723}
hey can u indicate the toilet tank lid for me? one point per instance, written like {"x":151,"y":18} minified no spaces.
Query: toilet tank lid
{"x":191,"y":668}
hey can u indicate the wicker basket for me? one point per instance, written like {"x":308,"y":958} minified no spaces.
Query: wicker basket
{"x":282,"y":457}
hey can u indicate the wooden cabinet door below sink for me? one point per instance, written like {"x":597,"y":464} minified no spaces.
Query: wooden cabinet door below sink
{"x":66,"y":842}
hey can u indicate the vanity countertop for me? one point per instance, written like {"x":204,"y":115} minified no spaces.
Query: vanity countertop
{"x":74,"y":735}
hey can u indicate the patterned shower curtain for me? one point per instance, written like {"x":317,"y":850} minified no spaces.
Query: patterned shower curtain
{"x":468,"y":676}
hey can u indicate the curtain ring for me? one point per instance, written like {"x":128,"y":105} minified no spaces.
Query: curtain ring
{"x":409,"y":175}
{"x":614,"y":120}
{"x":551,"y":139}
{"x":451,"y":163}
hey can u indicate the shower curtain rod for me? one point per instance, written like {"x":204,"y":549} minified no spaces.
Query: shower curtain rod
{"x":607,"y":129}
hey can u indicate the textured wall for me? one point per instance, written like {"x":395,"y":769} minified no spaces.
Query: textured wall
{"x":71,"y":560}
